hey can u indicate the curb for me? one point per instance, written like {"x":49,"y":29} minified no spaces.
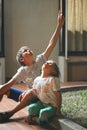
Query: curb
{"x":65,"y":124}
{"x":73,"y":88}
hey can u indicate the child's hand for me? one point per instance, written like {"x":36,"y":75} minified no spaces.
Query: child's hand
{"x":21,"y":96}
{"x":60,"y":18}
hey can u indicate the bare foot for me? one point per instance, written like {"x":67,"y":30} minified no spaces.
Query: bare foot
{"x":27,"y":119}
{"x":31,"y":120}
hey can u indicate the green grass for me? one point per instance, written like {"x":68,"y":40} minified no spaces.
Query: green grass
{"x":74,"y":106}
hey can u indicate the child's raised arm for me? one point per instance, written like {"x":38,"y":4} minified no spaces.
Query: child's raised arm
{"x":54,"y":38}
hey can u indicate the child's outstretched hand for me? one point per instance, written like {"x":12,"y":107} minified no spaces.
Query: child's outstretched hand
{"x":60,"y":19}
{"x":22,"y":96}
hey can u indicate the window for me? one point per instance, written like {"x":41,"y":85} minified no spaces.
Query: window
{"x":73,"y":37}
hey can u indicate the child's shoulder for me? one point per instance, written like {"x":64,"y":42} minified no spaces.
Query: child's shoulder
{"x":23,"y":69}
{"x":54,"y":78}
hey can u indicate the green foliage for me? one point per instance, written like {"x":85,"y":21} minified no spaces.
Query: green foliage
{"x":74,"y":106}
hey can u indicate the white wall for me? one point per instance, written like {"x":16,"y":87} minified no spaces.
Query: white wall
{"x":2,"y":70}
{"x":28,"y":22}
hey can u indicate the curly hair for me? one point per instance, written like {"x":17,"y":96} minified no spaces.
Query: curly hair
{"x":19,"y":55}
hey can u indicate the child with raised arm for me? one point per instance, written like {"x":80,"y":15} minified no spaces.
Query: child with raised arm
{"x":30,"y":67}
{"x":46,"y":88}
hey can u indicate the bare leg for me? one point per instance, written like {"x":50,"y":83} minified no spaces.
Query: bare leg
{"x":24,"y":102}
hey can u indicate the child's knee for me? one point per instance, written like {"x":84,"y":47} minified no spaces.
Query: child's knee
{"x":32,"y":110}
{"x":7,"y":93}
{"x":43,"y":116}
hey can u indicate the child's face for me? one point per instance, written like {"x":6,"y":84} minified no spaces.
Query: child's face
{"x":27,"y":57}
{"x":47,"y":67}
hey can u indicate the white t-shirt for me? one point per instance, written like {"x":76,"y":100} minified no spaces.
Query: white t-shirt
{"x":45,"y":88}
{"x":27,"y":74}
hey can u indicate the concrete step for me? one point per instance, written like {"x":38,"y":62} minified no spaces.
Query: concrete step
{"x":65,"y":124}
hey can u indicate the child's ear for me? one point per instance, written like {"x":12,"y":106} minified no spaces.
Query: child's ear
{"x":21,"y":59}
